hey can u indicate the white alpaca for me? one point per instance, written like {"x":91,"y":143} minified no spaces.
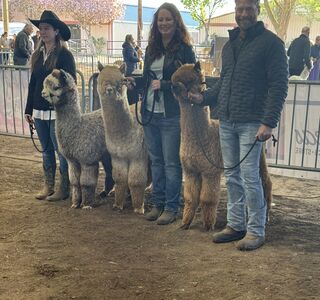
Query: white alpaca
{"x":124,"y":139}
{"x":80,"y":137}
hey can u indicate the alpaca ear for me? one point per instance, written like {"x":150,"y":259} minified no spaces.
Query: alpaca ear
{"x":63,"y":77}
{"x":100,"y":66}
{"x":197,"y":67}
{"x":123,"y":68}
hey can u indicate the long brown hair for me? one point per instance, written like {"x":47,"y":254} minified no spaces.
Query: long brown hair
{"x":155,"y":45}
{"x":52,"y":58}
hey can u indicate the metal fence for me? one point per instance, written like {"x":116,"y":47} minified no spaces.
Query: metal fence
{"x":298,"y":132}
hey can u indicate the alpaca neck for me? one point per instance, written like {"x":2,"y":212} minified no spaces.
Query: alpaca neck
{"x":117,"y":115}
{"x":69,"y":111}
{"x":194,"y":120}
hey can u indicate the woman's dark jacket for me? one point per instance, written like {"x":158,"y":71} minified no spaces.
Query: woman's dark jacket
{"x":184,"y":55}
{"x":65,"y":61}
{"x":254,"y":83}
{"x":130,"y":57}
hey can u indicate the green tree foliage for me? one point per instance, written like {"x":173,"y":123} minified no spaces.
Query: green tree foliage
{"x":202,"y":11}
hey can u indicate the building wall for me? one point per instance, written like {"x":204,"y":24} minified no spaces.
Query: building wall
{"x":221,"y":24}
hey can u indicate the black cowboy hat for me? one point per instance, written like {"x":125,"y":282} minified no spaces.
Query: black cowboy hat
{"x":51,"y":18}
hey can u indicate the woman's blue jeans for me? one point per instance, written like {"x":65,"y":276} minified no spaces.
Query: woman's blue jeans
{"x":49,"y":138}
{"x":163,"y":141}
{"x":243,"y":183}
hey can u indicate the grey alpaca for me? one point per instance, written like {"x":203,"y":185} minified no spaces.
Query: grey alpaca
{"x":81,"y":137}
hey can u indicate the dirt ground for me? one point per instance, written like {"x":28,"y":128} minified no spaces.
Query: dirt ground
{"x":50,"y":251}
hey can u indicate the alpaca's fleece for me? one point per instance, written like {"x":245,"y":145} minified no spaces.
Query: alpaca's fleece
{"x":80,"y":137}
{"x":124,"y":138}
{"x":198,"y":134}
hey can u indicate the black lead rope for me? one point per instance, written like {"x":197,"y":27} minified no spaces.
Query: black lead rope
{"x":156,"y":98}
{"x":274,"y":140}
{"x":32,"y":129}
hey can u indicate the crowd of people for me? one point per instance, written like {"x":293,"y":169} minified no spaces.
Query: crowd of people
{"x":248,"y":99}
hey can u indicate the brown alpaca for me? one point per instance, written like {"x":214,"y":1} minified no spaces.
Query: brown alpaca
{"x":124,"y":139}
{"x":202,"y":179}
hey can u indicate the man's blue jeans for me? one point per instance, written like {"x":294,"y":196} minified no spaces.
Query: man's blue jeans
{"x":163,"y":140}
{"x":243,"y":183}
{"x":46,"y":137}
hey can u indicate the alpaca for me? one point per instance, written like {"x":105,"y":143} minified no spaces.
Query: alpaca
{"x":81,"y":137}
{"x":202,"y":179}
{"x":124,"y":138}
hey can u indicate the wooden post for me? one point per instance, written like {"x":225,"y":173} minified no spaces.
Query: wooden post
{"x":5,"y":15}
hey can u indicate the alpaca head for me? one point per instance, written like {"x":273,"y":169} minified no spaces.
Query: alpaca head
{"x":55,"y":85}
{"x":111,"y":83}
{"x":188,"y":78}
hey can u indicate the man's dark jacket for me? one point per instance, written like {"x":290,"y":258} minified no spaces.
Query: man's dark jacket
{"x":183,"y":55}
{"x":22,"y":48}
{"x":299,"y":53}
{"x":253,"y":86}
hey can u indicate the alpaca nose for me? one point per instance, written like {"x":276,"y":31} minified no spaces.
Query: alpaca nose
{"x":109,"y":89}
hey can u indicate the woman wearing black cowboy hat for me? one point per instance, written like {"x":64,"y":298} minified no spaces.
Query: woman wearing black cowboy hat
{"x":50,"y":54}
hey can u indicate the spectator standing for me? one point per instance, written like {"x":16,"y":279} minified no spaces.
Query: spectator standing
{"x":169,"y":43}
{"x":130,"y":54}
{"x":50,"y":54}
{"x":36,"y":39}
{"x":212,"y":52}
{"x":299,"y":53}
{"x":23,"y":46}
{"x":249,"y":97}
{"x":315,"y":56}
{"x":4,"y":48}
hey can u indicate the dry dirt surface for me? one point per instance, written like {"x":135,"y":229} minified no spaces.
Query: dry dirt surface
{"x":50,"y":251}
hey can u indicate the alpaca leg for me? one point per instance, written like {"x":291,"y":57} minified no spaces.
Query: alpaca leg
{"x":137,"y":180}
{"x":74,"y":176}
{"x":88,"y":181}
{"x":120,"y":176}
{"x":209,"y":199}
{"x":266,"y":182}
{"x":191,"y":192}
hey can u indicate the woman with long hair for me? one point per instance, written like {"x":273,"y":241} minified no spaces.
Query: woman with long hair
{"x":169,"y":46}
{"x":50,"y":54}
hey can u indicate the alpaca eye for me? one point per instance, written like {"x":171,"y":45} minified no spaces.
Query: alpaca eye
{"x":56,"y":88}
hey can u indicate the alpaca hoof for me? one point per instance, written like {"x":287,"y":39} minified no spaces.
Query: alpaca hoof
{"x":139,"y":211}
{"x":185,"y":226}
{"x":208,"y":227}
{"x":75,"y":206}
{"x":117,"y":208}
{"x":87,"y":207}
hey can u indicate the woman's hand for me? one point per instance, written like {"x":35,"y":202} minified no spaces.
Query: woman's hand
{"x":28,"y":118}
{"x":155,"y":85}
{"x":129,"y":82}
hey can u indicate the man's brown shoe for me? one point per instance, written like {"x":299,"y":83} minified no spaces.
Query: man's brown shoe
{"x":228,"y":235}
{"x":250,"y":242}
{"x":154,"y":214}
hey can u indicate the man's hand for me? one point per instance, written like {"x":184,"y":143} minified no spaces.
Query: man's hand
{"x":28,"y":118}
{"x":264,"y":133}
{"x":195,"y":97}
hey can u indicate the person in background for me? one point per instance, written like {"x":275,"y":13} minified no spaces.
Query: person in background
{"x":212,"y":52}
{"x":130,"y":54}
{"x":4,"y":48}
{"x":36,"y":40}
{"x":51,"y":54}
{"x":23,"y":46}
{"x":315,"y":56}
{"x":299,"y":53}
{"x":169,"y":44}
{"x":12,"y":41}
{"x":248,"y":99}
